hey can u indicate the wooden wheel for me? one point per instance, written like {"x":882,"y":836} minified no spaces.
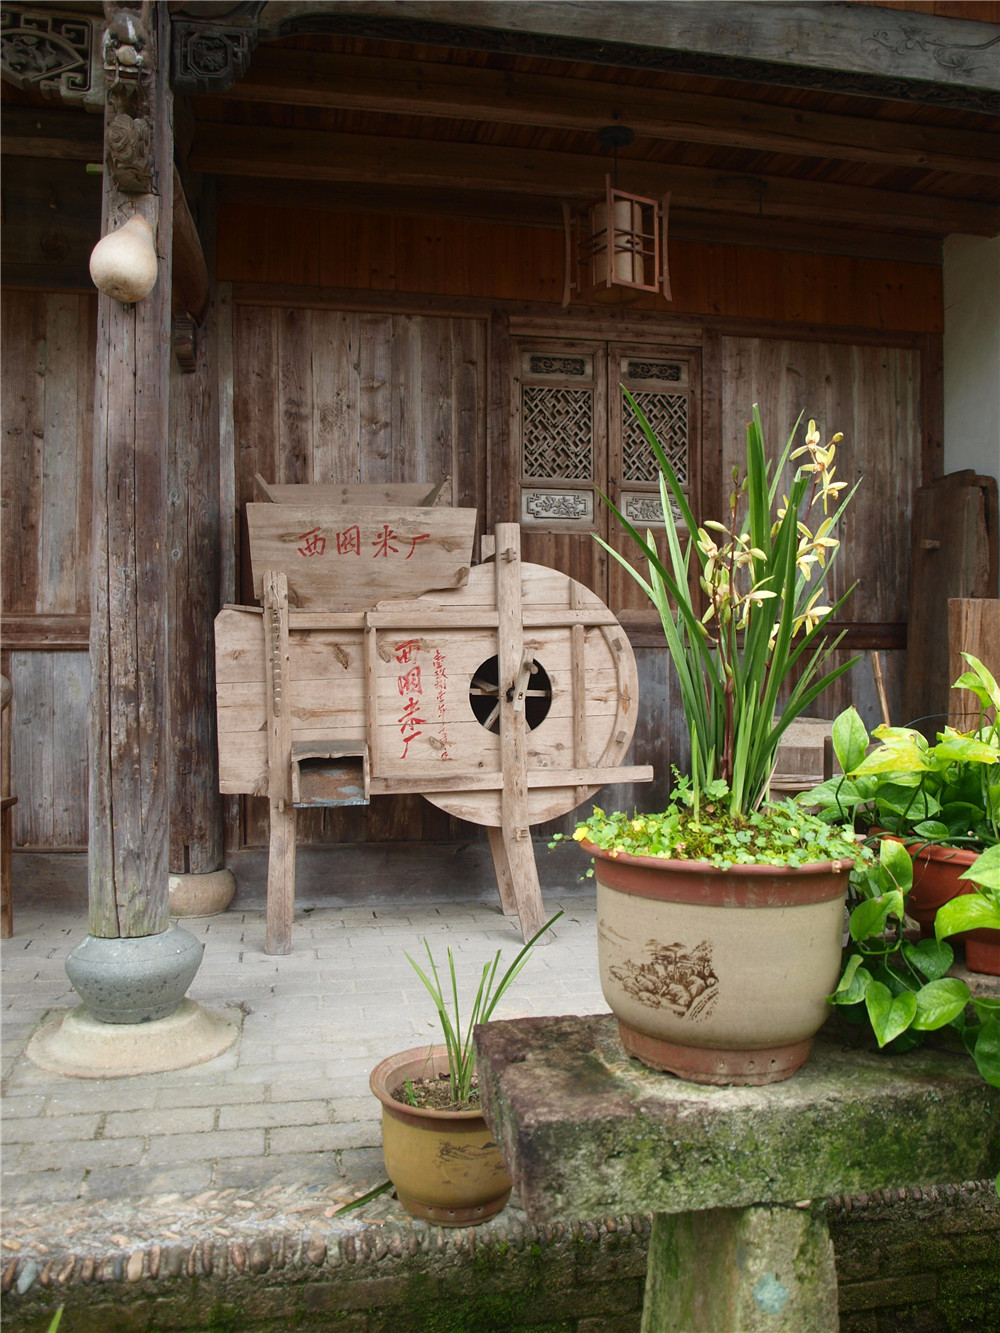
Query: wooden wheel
{"x":579,"y":703}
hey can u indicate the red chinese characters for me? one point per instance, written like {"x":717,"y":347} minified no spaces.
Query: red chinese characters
{"x":349,"y":541}
{"x":410,"y":688}
{"x":384,"y":543}
{"x":313,"y":543}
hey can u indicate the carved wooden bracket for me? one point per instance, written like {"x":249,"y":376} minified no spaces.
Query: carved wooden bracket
{"x":57,"y":54}
{"x":128,"y":68}
{"x":210,"y":57}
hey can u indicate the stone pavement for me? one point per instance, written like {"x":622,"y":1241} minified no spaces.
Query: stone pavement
{"x":283,"y":1121}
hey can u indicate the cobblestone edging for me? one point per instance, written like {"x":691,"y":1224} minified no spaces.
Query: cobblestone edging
{"x":287,"y":1262}
{"x":261,"y":1260}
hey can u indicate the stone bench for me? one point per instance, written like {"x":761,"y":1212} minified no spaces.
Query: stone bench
{"x":735,"y":1177}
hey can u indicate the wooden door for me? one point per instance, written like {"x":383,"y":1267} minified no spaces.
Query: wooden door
{"x":575,"y":439}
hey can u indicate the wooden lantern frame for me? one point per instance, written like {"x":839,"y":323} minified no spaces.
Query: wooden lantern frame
{"x":593,"y":246}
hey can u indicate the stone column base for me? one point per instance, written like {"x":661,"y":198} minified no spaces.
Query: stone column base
{"x":79,"y":1045}
{"x":201,"y":895}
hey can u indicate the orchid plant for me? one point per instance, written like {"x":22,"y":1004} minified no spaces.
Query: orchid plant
{"x":755,"y":654}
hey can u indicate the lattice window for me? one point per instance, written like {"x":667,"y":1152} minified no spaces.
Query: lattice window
{"x":557,"y":432}
{"x":667,"y":414}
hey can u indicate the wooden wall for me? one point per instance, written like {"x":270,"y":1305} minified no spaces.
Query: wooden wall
{"x":48,"y":389}
{"x":874,"y":395}
{"x":370,"y":349}
{"x":458,"y":257}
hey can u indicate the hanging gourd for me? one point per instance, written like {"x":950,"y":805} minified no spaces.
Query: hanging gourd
{"x":123,"y":263}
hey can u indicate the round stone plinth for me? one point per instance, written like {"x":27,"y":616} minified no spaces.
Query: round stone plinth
{"x":81,"y":1046}
{"x":134,"y":980}
{"x":201,"y":895}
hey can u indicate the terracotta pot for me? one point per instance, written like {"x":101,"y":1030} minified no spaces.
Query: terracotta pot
{"x":937,"y":879}
{"x":444,"y":1164}
{"x":720,"y":976}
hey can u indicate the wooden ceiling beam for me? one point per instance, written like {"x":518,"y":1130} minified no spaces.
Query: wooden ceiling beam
{"x":524,"y":211}
{"x":28,"y":132}
{"x":846,"y":48}
{"x":408,"y":87}
{"x":229,"y":150}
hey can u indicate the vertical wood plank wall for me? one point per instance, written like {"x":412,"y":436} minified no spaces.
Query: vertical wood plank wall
{"x":873,"y":395}
{"x":48,"y":342}
{"x":343,"y":396}
{"x":385,"y":363}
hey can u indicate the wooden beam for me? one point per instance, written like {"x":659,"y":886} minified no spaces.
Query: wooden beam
{"x":41,"y":132}
{"x":280,"y":76}
{"x":846,"y":48}
{"x":370,"y":159}
{"x":190,"y":279}
{"x":44,"y":632}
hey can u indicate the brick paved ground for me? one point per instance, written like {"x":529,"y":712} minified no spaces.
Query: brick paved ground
{"x":289,"y":1104}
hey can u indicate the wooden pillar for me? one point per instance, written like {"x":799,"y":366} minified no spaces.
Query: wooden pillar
{"x":193,"y":560}
{"x":128,"y":757}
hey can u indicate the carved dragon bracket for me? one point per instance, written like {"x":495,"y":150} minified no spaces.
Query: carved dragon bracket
{"x":128,"y":59}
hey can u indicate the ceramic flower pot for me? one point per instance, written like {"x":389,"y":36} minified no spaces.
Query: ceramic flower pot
{"x":720,"y":976}
{"x":444,"y":1164}
{"x":937,"y":879}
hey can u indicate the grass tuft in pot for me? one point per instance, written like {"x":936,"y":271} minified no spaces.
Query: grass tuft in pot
{"x":462,"y":1093}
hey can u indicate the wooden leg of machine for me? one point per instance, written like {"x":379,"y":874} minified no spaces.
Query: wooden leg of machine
{"x":505,"y":882}
{"x":281,"y":853}
{"x":6,"y":816}
{"x":520,"y":855}
{"x":280,"y":880}
{"x":515,"y":830}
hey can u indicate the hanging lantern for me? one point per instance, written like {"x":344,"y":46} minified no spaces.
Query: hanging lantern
{"x":618,"y":243}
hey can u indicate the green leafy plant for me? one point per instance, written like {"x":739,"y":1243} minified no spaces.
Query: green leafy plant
{"x":899,"y":987}
{"x":458,"y":1036}
{"x":755,"y":655}
{"x":947,"y":793}
{"x":891,"y":985}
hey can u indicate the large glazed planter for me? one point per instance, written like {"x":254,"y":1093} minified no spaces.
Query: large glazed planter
{"x":720,"y":976}
{"x":937,"y":873}
{"x":444,"y":1164}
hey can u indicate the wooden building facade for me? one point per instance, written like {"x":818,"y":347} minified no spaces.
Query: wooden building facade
{"x":375,"y":192}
